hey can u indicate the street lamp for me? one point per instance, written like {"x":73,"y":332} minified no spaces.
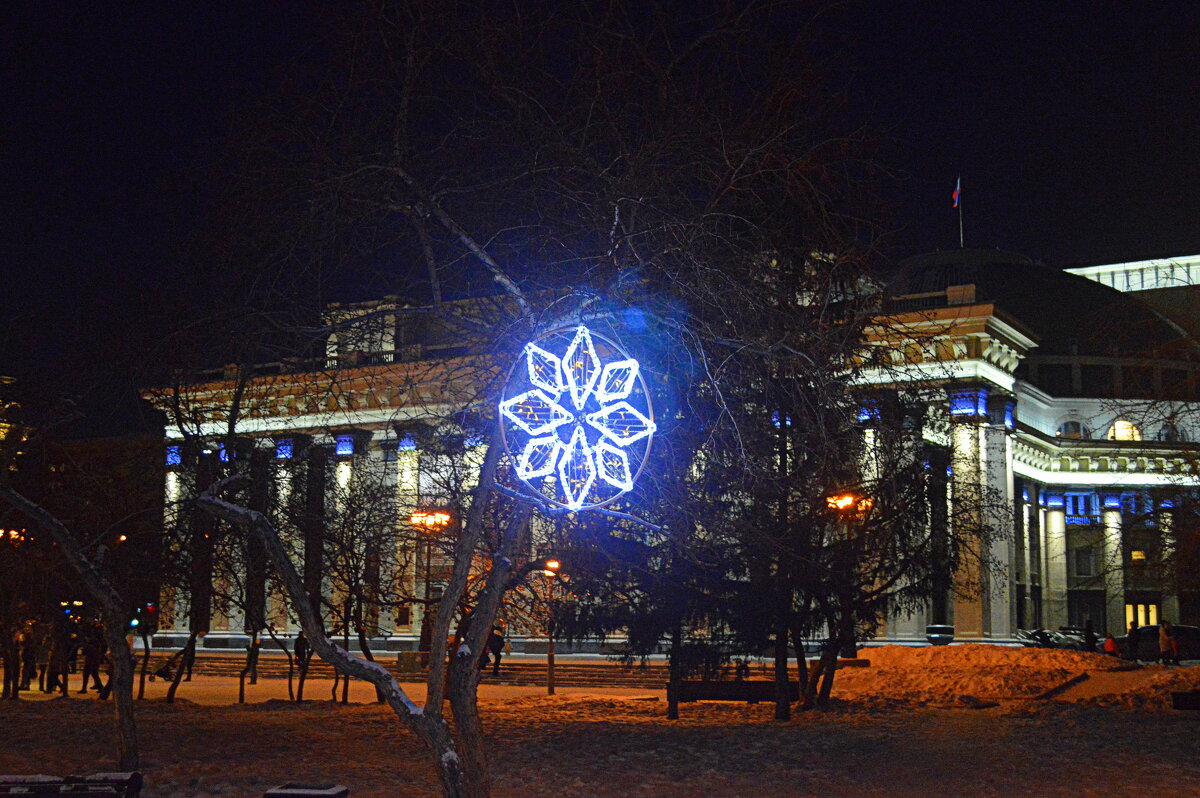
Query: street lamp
{"x":849,"y":507}
{"x":550,"y":572}
{"x":429,"y":522}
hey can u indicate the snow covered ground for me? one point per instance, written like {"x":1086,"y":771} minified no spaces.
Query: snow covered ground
{"x":961,"y":720}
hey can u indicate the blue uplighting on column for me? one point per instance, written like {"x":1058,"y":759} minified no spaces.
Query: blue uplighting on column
{"x":174,"y":455}
{"x":344,"y":445}
{"x":283,"y":449}
{"x":969,"y":403}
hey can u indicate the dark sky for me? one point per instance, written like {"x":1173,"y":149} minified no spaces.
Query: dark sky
{"x":1074,"y":125}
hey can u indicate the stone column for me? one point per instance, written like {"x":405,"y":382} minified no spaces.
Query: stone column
{"x":1169,"y":609}
{"x":408,"y":546}
{"x":1114,"y":567}
{"x":1000,"y":618}
{"x":1054,"y":579}
{"x":966,"y":479}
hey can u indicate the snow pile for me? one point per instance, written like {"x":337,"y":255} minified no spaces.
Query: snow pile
{"x":962,"y":675}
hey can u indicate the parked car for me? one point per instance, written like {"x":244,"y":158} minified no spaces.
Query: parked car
{"x":1066,"y":637}
{"x":1146,"y":640}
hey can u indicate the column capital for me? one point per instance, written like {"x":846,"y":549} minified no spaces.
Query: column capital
{"x":968,"y":403}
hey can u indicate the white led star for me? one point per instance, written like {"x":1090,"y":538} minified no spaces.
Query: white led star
{"x":575,"y":419}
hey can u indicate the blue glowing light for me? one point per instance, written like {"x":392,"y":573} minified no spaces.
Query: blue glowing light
{"x":283,"y":449}
{"x":1112,"y":502}
{"x":174,"y":455}
{"x":344,"y":445}
{"x":1055,"y":500}
{"x":578,"y":427}
{"x":868,"y":412}
{"x":407,"y":444}
{"x":969,"y":403}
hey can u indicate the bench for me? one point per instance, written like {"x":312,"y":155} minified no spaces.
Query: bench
{"x":120,"y":785}
{"x":749,"y":690}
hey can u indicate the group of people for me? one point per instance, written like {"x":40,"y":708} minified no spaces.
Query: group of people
{"x":1168,"y":643}
{"x":49,"y":654}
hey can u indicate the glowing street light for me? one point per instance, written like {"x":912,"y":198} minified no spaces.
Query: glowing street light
{"x":428,"y":521}
{"x":849,"y":503}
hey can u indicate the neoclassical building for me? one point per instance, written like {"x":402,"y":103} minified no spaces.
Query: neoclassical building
{"x":1072,"y":395}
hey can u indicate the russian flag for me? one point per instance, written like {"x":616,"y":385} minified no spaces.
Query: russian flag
{"x":957,"y":191}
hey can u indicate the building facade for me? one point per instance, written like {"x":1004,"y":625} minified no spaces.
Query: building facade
{"x":1068,"y":395}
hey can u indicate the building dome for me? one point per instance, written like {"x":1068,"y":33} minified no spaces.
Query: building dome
{"x":1068,"y":314}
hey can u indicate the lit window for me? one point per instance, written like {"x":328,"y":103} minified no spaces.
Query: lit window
{"x":1123,"y":430}
{"x":1074,"y":430}
{"x":174,"y":456}
{"x":1137,"y":555}
{"x":344,"y":445}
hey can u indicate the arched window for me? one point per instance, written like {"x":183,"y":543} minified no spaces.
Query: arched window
{"x":1074,"y":430}
{"x":1123,"y":430}
{"x":1169,"y":433}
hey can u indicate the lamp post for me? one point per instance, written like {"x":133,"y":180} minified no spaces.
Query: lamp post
{"x":550,"y":573}
{"x":429,"y":522}
{"x":849,"y":507}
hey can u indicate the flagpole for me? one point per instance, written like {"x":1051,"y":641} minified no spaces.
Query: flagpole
{"x":958,"y":205}
{"x":960,"y":228}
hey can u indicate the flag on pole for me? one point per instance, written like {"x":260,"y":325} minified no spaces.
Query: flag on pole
{"x":957,"y":191}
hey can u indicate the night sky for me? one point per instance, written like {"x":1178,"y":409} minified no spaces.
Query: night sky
{"x":1074,"y":126}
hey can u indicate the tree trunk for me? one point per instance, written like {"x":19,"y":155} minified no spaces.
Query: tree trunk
{"x":844,"y":637}
{"x":10,"y":684}
{"x":808,"y":698}
{"x":801,"y":662}
{"x":345,"y":677}
{"x":783,"y":705}
{"x":249,"y":668}
{"x":676,"y":671}
{"x":300,"y":681}
{"x":550,"y":664}
{"x":145,"y":667}
{"x":188,"y":649}
{"x":290,"y":660}
{"x":123,"y":670}
{"x":365,"y":645}
{"x":464,"y":679}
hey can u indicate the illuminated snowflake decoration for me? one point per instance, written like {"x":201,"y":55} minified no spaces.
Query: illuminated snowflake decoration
{"x":578,"y":426}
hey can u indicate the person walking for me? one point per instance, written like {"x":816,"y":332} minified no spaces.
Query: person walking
{"x":29,"y":653}
{"x":1131,"y":642}
{"x":301,"y":649}
{"x":1089,"y":636}
{"x":1166,"y":647}
{"x":92,"y":655}
{"x":495,"y":644}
